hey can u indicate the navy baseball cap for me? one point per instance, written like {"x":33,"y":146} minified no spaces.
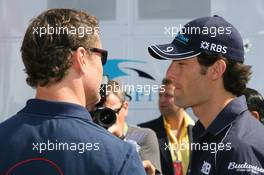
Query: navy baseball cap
{"x":203,"y":35}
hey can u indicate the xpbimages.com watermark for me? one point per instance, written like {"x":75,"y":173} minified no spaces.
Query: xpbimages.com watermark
{"x":80,"y":31}
{"x":211,"y":147}
{"x":212,"y":31}
{"x":79,"y":147}
{"x":145,"y":89}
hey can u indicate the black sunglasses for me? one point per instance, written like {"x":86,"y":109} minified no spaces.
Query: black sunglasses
{"x":118,"y":110}
{"x":103,"y":53}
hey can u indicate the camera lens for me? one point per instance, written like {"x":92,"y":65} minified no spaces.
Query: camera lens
{"x":104,"y":116}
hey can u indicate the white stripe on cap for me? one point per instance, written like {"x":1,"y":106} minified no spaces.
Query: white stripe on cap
{"x":175,"y":54}
{"x":182,"y":58}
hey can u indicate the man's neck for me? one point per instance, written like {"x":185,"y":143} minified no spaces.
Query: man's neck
{"x":209,"y":110}
{"x":175,"y":120}
{"x":60,"y":92}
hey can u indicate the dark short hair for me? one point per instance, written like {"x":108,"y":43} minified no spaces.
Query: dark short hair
{"x":236,"y":75}
{"x":255,"y":102}
{"x":47,"y":57}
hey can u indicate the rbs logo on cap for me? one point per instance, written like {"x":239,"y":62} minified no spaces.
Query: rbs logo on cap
{"x":213,"y":47}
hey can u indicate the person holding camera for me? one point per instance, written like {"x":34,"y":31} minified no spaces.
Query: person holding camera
{"x":46,"y":136}
{"x":111,"y":114}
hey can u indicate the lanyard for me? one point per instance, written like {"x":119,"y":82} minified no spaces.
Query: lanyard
{"x":176,"y":157}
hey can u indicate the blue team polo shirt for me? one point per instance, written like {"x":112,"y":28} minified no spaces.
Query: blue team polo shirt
{"x":59,"y":138}
{"x":233,"y":144}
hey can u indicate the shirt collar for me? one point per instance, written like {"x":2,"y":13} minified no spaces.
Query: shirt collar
{"x":223,"y":119}
{"x":55,"y":108}
{"x":186,"y":121}
{"x":125,"y":128}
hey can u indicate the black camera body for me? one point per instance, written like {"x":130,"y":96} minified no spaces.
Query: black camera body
{"x":104,"y":117}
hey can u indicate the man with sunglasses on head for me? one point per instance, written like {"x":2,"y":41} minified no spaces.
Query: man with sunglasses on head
{"x":143,"y":139}
{"x":54,"y":133}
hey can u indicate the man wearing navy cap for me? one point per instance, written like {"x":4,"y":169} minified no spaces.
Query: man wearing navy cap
{"x":54,"y":133}
{"x":209,"y":75}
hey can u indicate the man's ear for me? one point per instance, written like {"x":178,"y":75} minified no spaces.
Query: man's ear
{"x":217,"y":69}
{"x":79,"y":59}
{"x":255,"y":114}
{"x":125,"y":106}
